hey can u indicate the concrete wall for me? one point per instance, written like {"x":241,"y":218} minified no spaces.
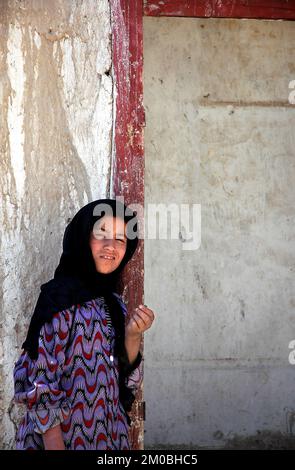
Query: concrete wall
{"x":220,"y":132}
{"x":56,"y":124}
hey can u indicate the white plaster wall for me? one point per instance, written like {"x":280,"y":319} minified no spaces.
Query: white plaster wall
{"x":220,"y":132}
{"x":56,"y":123}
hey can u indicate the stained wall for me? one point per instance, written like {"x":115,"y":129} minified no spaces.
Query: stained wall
{"x":56,"y":116}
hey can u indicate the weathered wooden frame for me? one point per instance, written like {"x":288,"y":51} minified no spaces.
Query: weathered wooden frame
{"x":129,"y":117}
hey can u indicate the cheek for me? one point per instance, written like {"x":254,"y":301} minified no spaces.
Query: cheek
{"x":95,"y":245}
{"x":122,"y":252}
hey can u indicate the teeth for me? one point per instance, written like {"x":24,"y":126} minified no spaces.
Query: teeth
{"x":107,"y":257}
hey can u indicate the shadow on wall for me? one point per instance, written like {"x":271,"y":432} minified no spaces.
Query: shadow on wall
{"x":263,"y":440}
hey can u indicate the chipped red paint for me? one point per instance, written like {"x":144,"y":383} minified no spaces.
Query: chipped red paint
{"x":267,"y":9}
{"x":128,"y":164}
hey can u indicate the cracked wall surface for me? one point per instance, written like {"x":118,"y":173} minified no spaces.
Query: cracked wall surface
{"x":56,"y":142}
{"x":220,"y":133}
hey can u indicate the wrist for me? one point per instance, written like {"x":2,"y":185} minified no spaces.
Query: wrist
{"x":133,"y":336}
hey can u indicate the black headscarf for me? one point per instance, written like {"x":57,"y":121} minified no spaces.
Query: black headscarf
{"x":76,"y":281}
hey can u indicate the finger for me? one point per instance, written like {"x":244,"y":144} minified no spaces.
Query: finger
{"x":148,"y":311}
{"x":141,"y":317}
{"x":147,"y":318}
{"x":136,"y":322}
{"x":146,"y":323}
{"x":145,"y":308}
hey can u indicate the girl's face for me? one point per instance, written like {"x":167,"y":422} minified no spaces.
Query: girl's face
{"x":108,"y":243}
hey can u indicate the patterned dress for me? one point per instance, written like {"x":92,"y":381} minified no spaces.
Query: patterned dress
{"x":74,"y":382}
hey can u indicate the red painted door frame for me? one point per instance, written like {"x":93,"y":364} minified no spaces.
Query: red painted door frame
{"x":129,"y":120}
{"x":259,"y":9}
{"x":128,"y":162}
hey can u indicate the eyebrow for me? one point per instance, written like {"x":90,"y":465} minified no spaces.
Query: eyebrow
{"x":117,"y":235}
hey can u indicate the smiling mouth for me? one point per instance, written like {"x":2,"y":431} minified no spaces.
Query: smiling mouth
{"x":107,"y":258}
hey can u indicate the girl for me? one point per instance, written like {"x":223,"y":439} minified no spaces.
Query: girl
{"x":80,"y":366}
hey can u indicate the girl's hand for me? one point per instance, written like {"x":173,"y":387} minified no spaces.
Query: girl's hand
{"x":141,"y":319}
{"x":53,"y":439}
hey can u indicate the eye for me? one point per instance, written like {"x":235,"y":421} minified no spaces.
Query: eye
{"x":99,"y":233}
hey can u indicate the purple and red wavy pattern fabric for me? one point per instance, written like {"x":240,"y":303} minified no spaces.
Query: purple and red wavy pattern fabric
{"x":74,"y":383}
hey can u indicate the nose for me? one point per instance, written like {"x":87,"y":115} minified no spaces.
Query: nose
{"x":108,"y":243}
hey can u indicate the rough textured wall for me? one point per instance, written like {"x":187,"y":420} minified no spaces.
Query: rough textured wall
{"x":56,"y":125}
{"x":220,"y":132}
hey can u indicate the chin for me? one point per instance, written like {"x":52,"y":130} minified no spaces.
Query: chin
{"x":104,"y":270}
